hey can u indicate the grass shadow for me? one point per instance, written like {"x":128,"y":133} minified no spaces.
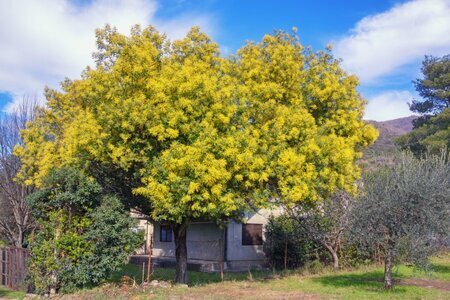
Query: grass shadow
{"x":367,"y":281}
{"x":440,"y":269}
{"x":195,"y":278}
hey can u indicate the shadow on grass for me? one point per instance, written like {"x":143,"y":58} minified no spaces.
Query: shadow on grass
{"x":195,"y":278}
{"x":441,"y":269}
{"x":368,"y":281}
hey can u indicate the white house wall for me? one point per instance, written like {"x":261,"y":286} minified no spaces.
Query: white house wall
{"x":238,"y":252}
{"x":204,"y":242}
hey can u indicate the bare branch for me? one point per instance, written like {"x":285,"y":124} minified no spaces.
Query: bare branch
{"x":15,"y":217}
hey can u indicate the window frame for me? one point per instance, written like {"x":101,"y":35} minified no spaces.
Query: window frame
{"x":167,"y":233}
{"x":247,"y":238}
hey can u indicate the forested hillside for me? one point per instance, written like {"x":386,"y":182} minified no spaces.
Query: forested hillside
{"x":385,"y":144}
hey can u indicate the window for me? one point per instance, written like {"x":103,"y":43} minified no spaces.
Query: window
{"x":252,"y":234}
{"x":165,"y":233}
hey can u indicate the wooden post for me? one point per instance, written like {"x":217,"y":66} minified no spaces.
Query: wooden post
{"x":8,"y":268}
{"x":4,"y":266}
{"x":1,"y":266}
{"x":223,"y":246}
{"x":285,"y":251}
{"x":149,"y":262}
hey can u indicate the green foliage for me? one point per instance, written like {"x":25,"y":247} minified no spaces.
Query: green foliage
{"x":433,"y":88}
{"x":66,"y":189}
{"x":284,"y":233}
{"x":432,"y":136}
{"x":326,"y":222}
{"x":113,"y":240}
{"x":405,"y":208}
{"x":55,"y":247}
{"x":82,"y":236}
{"x":314,"y":233}
{"x":432,"y":129}
{"x":198,"y":135}
{"x":350,"y":255}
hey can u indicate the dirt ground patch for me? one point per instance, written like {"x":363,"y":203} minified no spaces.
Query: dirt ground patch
{"x":240,"y":291}
{"x":426,"y":283}
{"x":217,"y":291}
{"x":253,"y":294}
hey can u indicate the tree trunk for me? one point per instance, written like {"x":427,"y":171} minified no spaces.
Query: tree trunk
{"x":334,"y":254}
{"x":388,"y":266}
{"x":149,"y":262}
{"x":19,"y":241}
{"x":335,"y":260}
{"x":180,"y":233}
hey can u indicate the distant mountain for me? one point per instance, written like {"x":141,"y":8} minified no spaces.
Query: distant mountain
{"x":385,"y":144}
{"x":390,"y":130}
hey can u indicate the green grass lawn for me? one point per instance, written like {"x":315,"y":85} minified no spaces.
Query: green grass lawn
{"x":8,"y":294}
{"x":195,"y":278}
{"x":362,"y":283}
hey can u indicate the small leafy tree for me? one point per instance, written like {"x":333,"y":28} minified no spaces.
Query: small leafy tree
{"x":404,"y":207}
{"x":326,"y":223}
{"x":82,"y":235}
{"x":287,"y":245}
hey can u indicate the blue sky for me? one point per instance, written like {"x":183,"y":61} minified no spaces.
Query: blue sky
{"x":237,"y":20}
{"x":382,"y":42}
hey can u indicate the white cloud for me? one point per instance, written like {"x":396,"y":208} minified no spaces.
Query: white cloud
{"x":44,"y":41}
{"x":381,"y":44}
{"x":388,"y":105}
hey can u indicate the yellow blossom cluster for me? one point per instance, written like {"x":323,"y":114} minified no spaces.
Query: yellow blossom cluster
{"x":206,"y":135}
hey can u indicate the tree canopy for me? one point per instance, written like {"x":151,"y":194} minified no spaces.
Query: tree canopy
{"x":433,"y":88}
{"x":405,"y":208}
{"x":431,"y":129}
{"x":432,"y":136}
{"x":200,"y":136}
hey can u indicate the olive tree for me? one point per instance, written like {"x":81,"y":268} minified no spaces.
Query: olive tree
{"x":404,"y":207}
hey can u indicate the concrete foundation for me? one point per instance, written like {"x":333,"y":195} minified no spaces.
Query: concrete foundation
{"x":201,"y":265}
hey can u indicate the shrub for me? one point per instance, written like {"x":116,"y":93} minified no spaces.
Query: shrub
{"x":283,"y":234}
{"x":350,"y":255}
{"x":82,"y":237}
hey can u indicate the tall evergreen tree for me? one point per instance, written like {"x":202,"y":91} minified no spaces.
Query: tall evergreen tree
{"x":432,"y":128}
{"x":434,"y":88}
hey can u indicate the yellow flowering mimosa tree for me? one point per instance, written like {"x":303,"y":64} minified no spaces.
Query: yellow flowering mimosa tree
{"x":184,"y":134}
